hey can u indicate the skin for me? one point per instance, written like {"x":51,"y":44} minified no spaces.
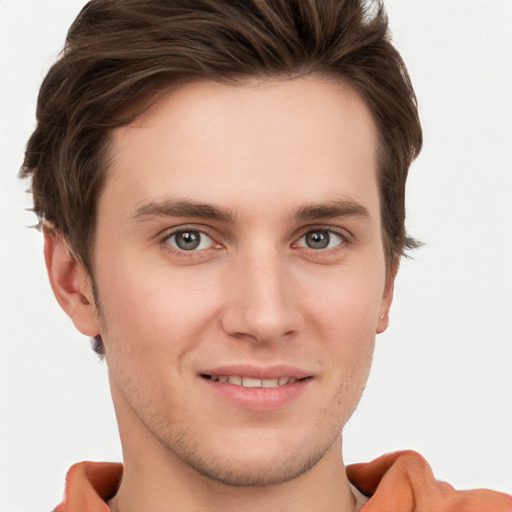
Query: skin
{"x":261,"y":155}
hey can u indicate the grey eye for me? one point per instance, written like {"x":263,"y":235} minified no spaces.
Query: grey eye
{"x":189,"y":240}
{"x":320,"y":239}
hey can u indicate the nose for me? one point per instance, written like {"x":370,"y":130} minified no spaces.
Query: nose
{"x":261,"y":300}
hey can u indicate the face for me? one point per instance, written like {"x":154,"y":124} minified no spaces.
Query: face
{"x":240,"y":275}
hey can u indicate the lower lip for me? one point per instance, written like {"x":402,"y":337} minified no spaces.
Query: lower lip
{"x":258,"y":399}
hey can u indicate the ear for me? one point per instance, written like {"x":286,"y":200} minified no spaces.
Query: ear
{"x":70,"y":283}
{"x":387,"y":297}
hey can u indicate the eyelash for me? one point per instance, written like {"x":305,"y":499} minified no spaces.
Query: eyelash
{"x":344,"y":238}
{"x":183,"y":252}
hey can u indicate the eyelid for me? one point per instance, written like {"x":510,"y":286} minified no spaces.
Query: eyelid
{"x":337,"y":230}
{"x":164,"y":236}
{"x":346,"y":239}
{"x":167,"y":232}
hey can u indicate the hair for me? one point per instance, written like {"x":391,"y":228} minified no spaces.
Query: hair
{"x":120,"y":55}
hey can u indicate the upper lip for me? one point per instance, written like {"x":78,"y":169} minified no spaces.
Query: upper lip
{"x":259,"y":372}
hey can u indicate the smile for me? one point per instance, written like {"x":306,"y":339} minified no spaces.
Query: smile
{"x":257,"y":388}
{"x":250,"y":382}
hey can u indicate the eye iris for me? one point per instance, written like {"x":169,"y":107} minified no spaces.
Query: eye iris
{"x":188,"y":240}
{"x":318,"y":239}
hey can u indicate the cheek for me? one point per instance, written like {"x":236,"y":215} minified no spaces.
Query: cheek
{"x":346,"y":301}
{"x":343,"y":318}
{"x":150,"y":325}
{"x":154,"y":314}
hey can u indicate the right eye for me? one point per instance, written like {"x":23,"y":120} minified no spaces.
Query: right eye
{"x":190,"y":240}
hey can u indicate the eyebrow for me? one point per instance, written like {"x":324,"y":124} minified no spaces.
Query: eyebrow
{"x":182,"y":208}
{"x":190,"y":209}
{"x":331,"y":210}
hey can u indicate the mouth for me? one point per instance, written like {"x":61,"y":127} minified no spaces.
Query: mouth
{"x":251,"y":382}
{"x":256,"y":388}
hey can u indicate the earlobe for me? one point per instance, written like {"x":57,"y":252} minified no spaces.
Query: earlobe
{"x":383,"y":322}
{"x":387,"y":299}
{"x":70,"y":283}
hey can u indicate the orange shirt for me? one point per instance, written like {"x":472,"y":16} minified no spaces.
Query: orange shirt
{"x":396,"y":482}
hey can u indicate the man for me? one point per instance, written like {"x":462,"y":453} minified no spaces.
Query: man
{"x":221,"y":188}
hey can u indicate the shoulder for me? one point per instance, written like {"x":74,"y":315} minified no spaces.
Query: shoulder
{"x":89,"y":485}
{"x":403,"y":481}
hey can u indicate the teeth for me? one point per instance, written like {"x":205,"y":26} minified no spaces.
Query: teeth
{"x":249,"y":382}
{"x":270,"y":383}
{"x":234,"y":379}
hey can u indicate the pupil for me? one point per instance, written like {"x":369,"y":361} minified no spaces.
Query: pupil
{"x":317,"y":239}
{"x":188,"y":240}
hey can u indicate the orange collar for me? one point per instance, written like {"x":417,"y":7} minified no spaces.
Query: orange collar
{"x":398,"y":482}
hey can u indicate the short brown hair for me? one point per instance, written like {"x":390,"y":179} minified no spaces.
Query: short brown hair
{"x":120,"y":54}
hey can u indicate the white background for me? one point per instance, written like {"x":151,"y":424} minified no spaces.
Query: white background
{"x":442,"y":377}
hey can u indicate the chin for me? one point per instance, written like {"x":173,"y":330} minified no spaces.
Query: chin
{"x":256,"y":464}
{"x":256,"y":473}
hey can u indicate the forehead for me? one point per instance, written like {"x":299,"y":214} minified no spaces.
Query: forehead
{"x":296,"y":137}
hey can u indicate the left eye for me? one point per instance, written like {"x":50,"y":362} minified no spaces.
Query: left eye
{"x":189,"y":240}
{"x":320,"y":239}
